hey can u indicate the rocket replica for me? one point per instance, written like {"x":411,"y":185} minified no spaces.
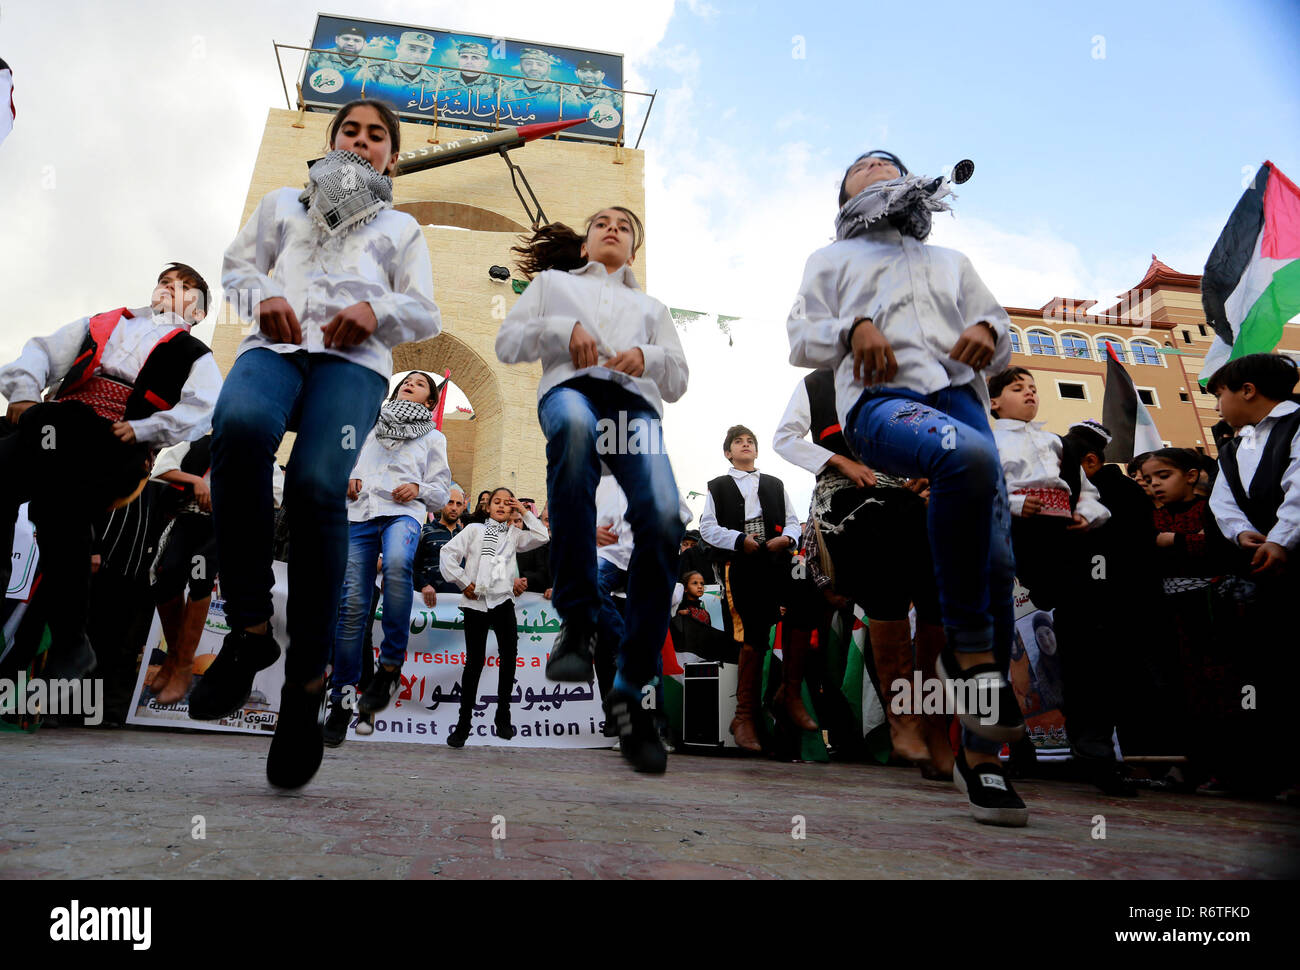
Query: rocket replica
{"x":476,"y":146}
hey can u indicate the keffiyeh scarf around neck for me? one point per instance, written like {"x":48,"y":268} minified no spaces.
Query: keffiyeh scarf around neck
{"x":344,"y":191}
{"x":401,"y":421}
{"x":904,"y":203}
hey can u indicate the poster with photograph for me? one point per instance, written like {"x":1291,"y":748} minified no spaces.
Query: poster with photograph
{"x":464,"y":79}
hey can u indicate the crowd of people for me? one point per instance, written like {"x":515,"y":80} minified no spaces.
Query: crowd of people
{"x":935,"y":489}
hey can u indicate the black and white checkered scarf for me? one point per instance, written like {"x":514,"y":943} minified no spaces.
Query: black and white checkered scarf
{"x":904,"y":203}
{"x":402,"y":421}
{"x":344,"y":191}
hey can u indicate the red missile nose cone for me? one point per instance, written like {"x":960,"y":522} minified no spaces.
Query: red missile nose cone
{"x":529,"y":132}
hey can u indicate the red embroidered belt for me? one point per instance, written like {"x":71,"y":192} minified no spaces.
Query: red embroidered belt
{"x":106,"y":396}
{"x":1056,"y":501}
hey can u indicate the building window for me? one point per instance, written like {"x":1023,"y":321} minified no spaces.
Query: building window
{"x":1183,"y":396}
{"x":1075,"y":346}
{"x":1187,"y":337}
{"x":1070,"y":391}
{"x":1201,"y":327}
{"x":1115,"y":345}
{"x":1015,"y":342}
{"x":1042,"y":342}
{"x":1144,"y":353}
{"x":1147,"y":396}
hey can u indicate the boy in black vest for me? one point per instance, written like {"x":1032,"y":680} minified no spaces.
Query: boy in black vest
{"x":124,"y":384}
{"x":749,"y":519}
{"x":1256,"y":500}
{"x":1256,"y":503}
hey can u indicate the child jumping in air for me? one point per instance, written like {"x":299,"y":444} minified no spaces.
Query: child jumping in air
{"x":608,"y":353}
{"x":333,"y":278}
{"x":402,"y":472}
{"x":480,"y":559}
{"x":908,"y":328}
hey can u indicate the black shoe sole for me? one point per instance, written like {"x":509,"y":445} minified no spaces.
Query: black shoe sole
{"x":200,"y":704}
{"x":297,"y":748}
{"x":568,"y":665}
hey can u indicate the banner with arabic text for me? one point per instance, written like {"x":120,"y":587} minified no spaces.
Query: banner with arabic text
{"x":547,"y":714}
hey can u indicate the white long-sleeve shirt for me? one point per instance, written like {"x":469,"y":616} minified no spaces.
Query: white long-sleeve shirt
{"x":1232,"y":520}
{"x":717,"y":535}
{"x":281,"y":252}
{"x":1031,"y":458}
{"x":461,"y":562}
{"x":421,"y":461}
{"x":45,"y":361}
{"x":790,"y":441}
{"x":612,"y":308}
{"x":921,"y":298}
{"x":611,"y":512}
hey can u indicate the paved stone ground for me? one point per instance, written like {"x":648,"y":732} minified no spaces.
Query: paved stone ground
{"x":119,"y":804}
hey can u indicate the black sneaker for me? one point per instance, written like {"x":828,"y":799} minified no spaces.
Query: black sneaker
{"x":638,"y":737}
{"x":572,"y":657}
{"x":458,"y":735}
{"x":992,"y":799}
{"x":298,"y":746}
{"x":383,"y":688}
{"x":990,"y":685}
{"x":335,"y":730}
{"x":224,"y":687}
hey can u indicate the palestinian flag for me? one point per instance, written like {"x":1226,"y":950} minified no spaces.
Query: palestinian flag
{"x":7,"y":112}
{"x":1251,"y":286}
{"x":1127,"y":419}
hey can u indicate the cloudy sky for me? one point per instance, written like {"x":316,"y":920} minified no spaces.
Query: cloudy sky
{"x":1101,"y":132}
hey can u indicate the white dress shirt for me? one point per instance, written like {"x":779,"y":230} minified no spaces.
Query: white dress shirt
{"x":421,"y":461}
{"x":612,"y":308}
{"x":1232,"y":520}
{"x":921,"y":298}
{"x":723,"y":538}
{"x":790,"y":442}
{"x":1031,"y":458}
{"x":281,"y":252}
{"x":45,"y":361}
{"x":494,"y":578}
{"x":611,"y":512}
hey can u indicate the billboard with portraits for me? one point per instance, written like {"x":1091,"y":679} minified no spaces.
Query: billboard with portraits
{"x":463,"y":79}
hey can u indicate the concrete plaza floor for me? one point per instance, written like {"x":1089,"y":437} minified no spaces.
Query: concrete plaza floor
{"x":87,"y":804}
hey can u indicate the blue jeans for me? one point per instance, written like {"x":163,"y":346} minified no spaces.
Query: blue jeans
{"x":397,"y":536}
{"x":571,"y":416}
{"x":332,"y":403}
{"x":611,"y":628}
{"x":946,"y":438}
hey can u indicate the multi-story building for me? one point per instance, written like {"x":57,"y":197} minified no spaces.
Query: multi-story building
{"x":1159,"y":333}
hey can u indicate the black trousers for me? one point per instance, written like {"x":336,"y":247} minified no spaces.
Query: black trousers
{"x":501,"y":621}
{"x":66,"y":462}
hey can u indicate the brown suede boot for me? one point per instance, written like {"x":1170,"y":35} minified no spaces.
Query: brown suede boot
{"x":891,"y":646}
{"x":747,"y":690}
{"x":789,"y":697}
{"x":929,"y":642}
